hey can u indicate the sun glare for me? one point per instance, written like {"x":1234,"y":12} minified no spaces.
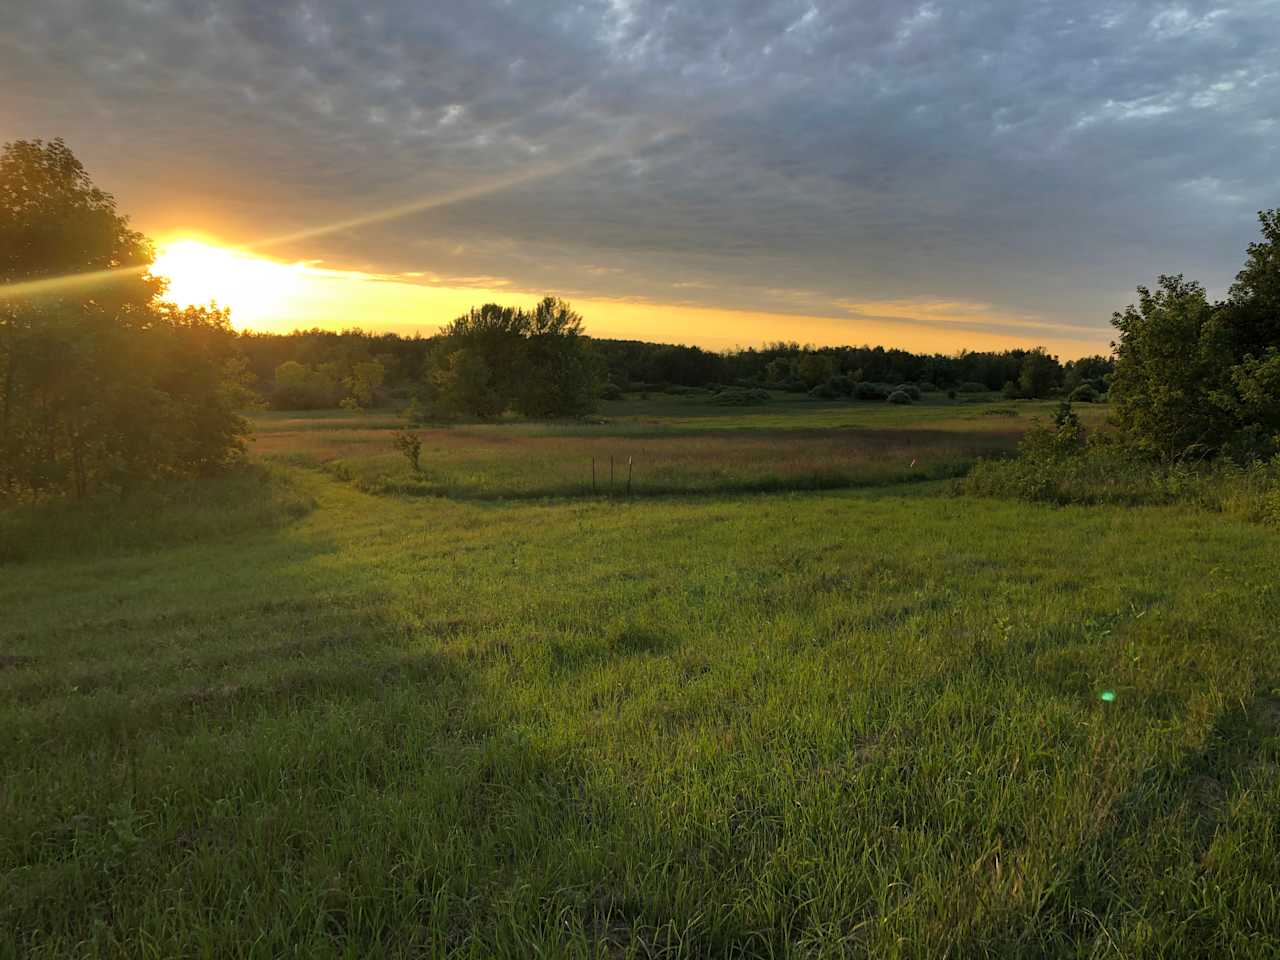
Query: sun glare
{"x":254,"y":288}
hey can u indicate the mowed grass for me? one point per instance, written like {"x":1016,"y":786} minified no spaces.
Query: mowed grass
{"x":666,"y":445}
{"x":821,"y":724}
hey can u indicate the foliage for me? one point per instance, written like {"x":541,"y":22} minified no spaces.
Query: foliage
{"x":537,"y":361}
{"x":1169,"y":358}
{"x":409,"y":445}
{"x":102,"y":387}
{"x":740,"y":397}
{"x":463,"y":383}
{"x":559,"y":375}
{"x":870,"y":391}
{"x":363,"y":383}
{"x":910,"y":389}
{"x":899,"y":396}
{"x":1195,"y":379}
{"x":1058,"y":464}
{"x":1038,"y":375}
{"x":1094,"y":371}
{"x":298,"y":386}
{"x":1085,"y":393}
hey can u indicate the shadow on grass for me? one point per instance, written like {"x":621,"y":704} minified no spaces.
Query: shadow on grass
{"x":275,"y":752}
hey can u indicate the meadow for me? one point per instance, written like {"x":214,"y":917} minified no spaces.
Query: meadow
{"x":667,"y":444}
{"x":330,"y":707}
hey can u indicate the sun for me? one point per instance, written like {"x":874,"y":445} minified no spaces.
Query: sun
{"x":256,"y":289}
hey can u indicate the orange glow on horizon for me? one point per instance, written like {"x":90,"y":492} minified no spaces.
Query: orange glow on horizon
{"x":277,"y":297}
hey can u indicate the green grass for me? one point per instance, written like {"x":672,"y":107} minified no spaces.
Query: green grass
{"x":811,"y":724}
{"x":676,"y":445}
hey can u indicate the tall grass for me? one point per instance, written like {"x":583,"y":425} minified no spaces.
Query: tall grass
{"x":1103,"y":473}
{"x":251,"y":497}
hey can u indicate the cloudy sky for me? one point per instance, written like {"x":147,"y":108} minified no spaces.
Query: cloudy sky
{"x":933,"y":175}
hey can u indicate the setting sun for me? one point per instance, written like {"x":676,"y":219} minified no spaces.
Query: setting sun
{"x":254,"y":288}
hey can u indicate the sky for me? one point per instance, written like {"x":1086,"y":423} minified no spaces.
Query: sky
{"x":932,"y":176}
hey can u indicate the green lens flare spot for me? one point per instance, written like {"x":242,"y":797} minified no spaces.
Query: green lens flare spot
{"x":1107,"y":696}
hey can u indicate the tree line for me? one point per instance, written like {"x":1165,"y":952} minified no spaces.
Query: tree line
{"x":493,"y":359}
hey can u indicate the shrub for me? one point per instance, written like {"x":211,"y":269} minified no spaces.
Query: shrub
{"x":739,"y":397}
{"x":870,"y":391}
{"x":1084,"y":394}
{"x":825,"y":391}
{"x":610,"y":391}
{"x":972,"y":386}
{"x":910,"y":389}
{"x":899,"y":396}
{"x":409,"y":444}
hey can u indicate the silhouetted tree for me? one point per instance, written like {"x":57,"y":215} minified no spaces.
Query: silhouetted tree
{"x":101,"y":385}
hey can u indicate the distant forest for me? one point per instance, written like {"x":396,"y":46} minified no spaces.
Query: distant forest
{"x":319,"y":368}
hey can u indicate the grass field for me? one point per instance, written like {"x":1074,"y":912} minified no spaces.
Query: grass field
{"x":668,"y":445}
{"x":812,"y":723}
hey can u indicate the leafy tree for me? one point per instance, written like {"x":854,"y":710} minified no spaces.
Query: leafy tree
{"x":463,"y":383}
{"x":814,"y":368}
{"x":1094,"y":372}
{"x":1251,"y":318}
{"x":101,"y":385}
{"x":1038,"y":375}
{"x":559,"y":373}
{"x":364,"y":381}
{"x":537,"y":361}
{"x":1198,"y":378}
{"x":298,"y":386}
{"x":1170,"y":357}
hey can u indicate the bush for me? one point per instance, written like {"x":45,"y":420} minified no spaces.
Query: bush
{"x":899,"y":396}
{"x":739,"y":397}
{"x":973,"y":387}
{"x":1057,"y":464}
{"x":825,"y":391}
{"x":409,"y":444}
{"x":1084,"y":394}
{"x":610,"y":391}
{"x":870,"y":391}
{"x":910,"y":389}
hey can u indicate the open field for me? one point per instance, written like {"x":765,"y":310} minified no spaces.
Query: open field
{"x":676,"y":445}
{"x":857,"y":722}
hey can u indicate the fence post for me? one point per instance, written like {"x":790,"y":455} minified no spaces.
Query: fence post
{"x":593,"y":475}
{"x":611,"y":476}
{"x":628,"y":477}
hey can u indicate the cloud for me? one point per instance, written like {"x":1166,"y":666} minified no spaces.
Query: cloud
{"x":1036,"y":159}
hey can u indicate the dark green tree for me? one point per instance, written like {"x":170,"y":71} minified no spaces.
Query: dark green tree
{"x":101,"y":384}
{"x":1039,"y":374}
{"x":463,"y":384}
{"x":559,"y":372}
{"x":1171,"y":357}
